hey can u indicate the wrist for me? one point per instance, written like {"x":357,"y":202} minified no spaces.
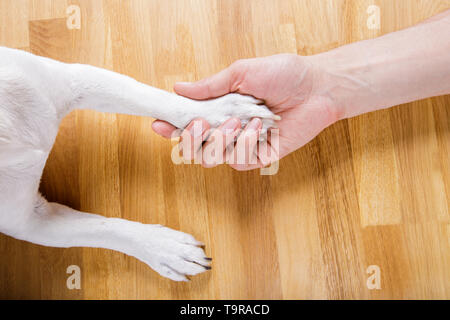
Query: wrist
{"x":393,"y":69}
{"x":342,"y":78}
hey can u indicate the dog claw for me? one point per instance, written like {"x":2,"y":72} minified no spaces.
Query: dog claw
{"x":276,"y":117}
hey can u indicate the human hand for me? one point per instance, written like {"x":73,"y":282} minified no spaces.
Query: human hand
{"x":286,"y":83}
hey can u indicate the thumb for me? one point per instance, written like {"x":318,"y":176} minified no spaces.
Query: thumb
{"x":215,"y":86}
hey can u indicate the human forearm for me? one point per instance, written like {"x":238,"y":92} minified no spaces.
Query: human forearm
{"x":399,"y":67}
{"x":310,"y":93}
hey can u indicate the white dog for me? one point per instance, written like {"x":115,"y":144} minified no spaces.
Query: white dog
{"x":35,"y":95}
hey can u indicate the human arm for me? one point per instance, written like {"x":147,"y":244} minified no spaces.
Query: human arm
{"x":311,"y":93}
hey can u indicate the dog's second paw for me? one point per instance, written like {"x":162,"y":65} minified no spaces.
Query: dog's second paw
{"x":173,"y":254}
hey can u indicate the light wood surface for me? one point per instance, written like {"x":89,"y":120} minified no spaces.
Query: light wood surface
{"x":373,"y":190}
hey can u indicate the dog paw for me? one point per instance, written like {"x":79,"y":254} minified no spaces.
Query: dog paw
{"x":173,"y":254}
{"x":233,"y":105}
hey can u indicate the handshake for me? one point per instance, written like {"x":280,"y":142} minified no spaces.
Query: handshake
{"x":307,"y":94}
{"x":284,"y":83}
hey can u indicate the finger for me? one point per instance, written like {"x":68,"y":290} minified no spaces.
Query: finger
{"x":240,"y":167}
{"x":163,"y":128}
{"x":226,"y":81}
{"x":192,"y":138}
{"x":268,"y":150}
{"x":220,"y":138}
{"x":244,"y":153}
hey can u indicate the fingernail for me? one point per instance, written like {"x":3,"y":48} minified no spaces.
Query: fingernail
{"x":254,"y":124}
{"x":230,"y":124}
{"x":182,"y":83}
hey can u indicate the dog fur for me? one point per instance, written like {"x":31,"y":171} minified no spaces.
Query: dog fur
{"x":35,"y":95}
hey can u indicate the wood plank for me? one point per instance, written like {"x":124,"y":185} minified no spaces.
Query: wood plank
{"x":373,"y":190}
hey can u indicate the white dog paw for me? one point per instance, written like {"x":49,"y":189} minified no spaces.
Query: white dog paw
{"x":173,"y":254}
{"x":233,"y":105}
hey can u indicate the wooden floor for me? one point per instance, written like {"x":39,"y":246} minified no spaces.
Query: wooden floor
{"x":373,"y":190}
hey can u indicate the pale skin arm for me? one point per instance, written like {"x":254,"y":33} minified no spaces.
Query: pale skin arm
{"x":397,"y":68}
{"x":311,"y":93}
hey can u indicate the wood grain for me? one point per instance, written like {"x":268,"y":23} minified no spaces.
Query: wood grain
{"x":373,"y":190}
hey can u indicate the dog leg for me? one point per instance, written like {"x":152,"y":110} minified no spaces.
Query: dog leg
{"x":36,"y":93}
{"x":106,"y":91}
{"x":56,"y":88}
{"x":171,"y":253}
